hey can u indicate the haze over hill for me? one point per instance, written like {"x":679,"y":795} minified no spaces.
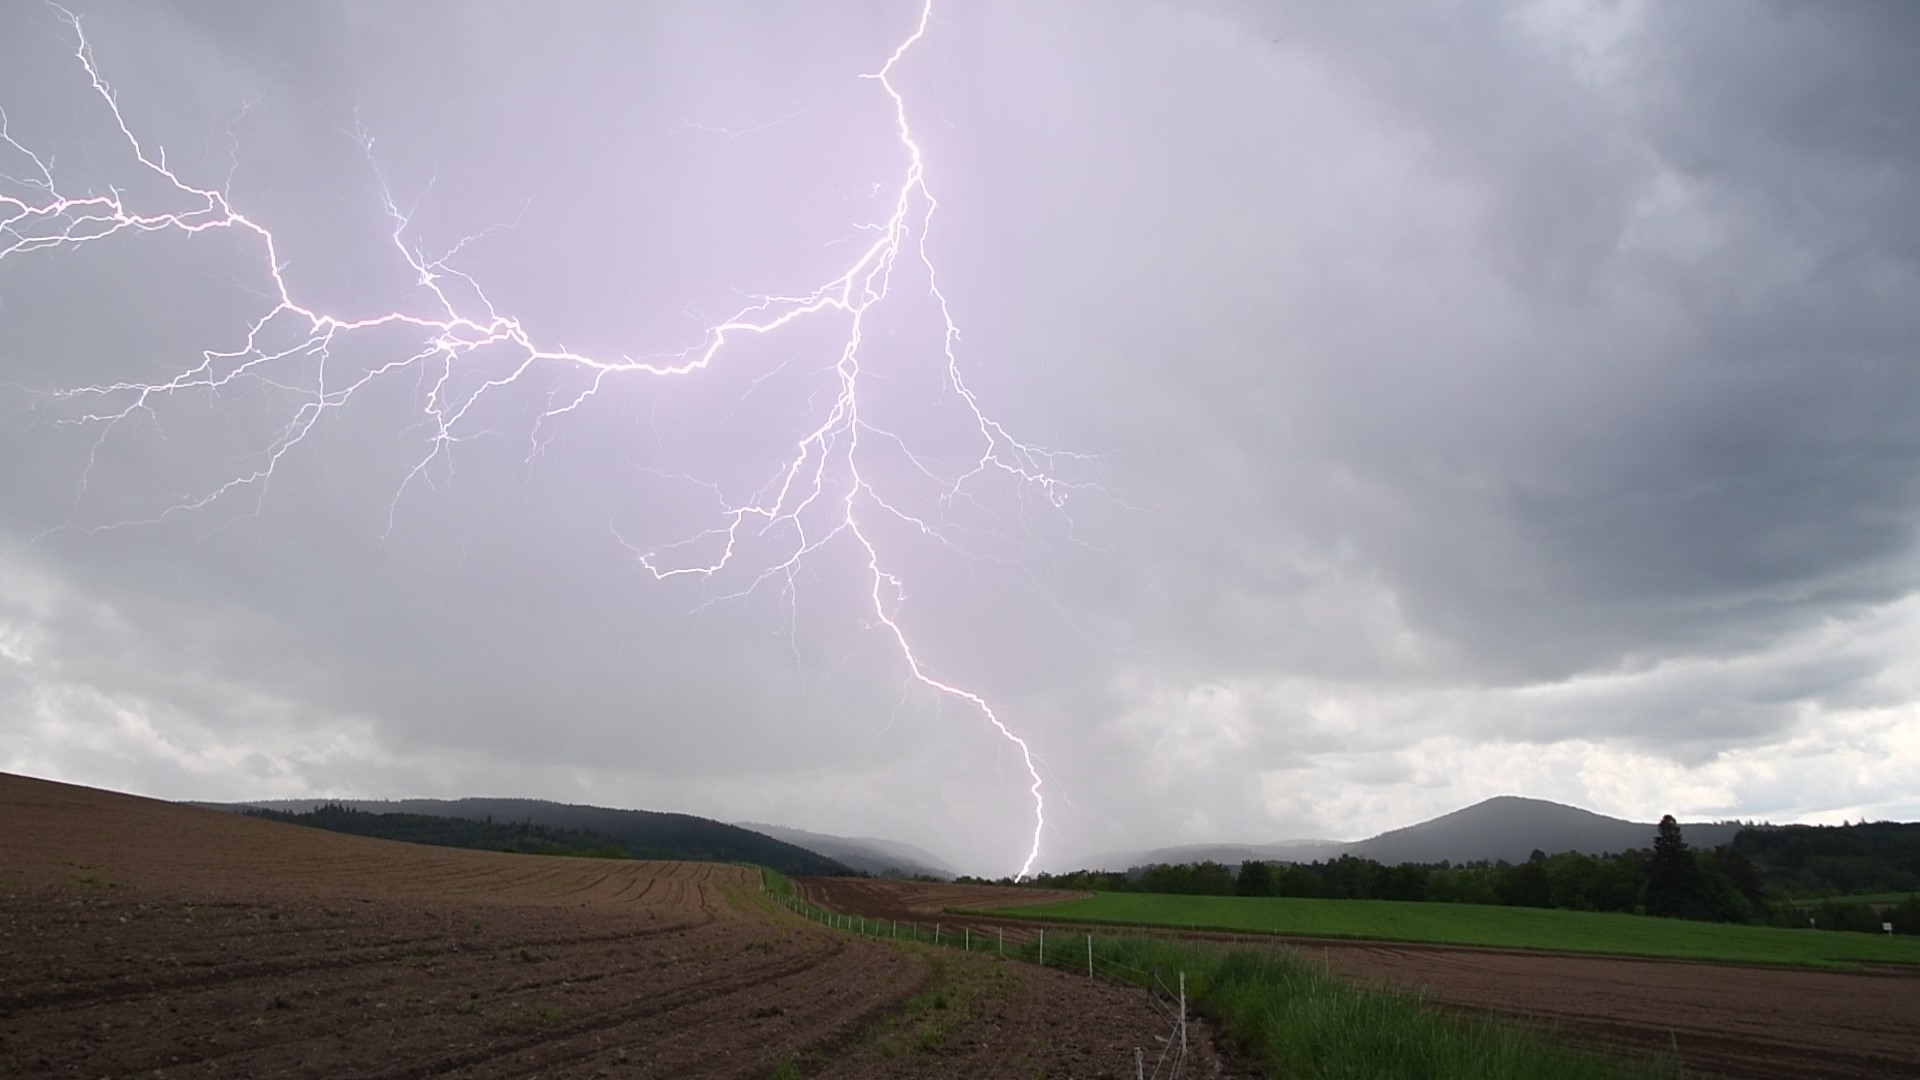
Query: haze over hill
{"x":1506,"y":827}
{"x":1231,"y":854}
{"x":870,"y":854}
{"x":1509,"y":827}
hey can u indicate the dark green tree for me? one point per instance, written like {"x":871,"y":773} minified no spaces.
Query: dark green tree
{"x":1740,"y":873}
{"x":1905,"y":916}
{"x":1295,"y":879}
{"x":1212,"y":878}
{"x":1256,"y":879}
{"x":1673,"y":879}
{"x":1524,"y":885}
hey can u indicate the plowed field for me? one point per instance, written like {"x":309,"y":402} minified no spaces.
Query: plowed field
{"x":147,"y":939}
{"x":1739,"y":1021}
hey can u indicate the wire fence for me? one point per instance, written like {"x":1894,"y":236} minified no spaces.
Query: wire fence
{"x":1083,"y":954}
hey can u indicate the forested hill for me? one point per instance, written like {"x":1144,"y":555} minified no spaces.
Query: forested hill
{"x":450,"y":832}
{"x":1835,"y":860}
{"x":640,"y":834}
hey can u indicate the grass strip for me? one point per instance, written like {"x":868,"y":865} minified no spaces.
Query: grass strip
{"x":1293,"y":1018}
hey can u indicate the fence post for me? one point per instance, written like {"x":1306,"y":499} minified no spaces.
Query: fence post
{"x":1003,"y":941}
{"x":936,"y":933}
{"x":1043,"y":948}
{"x":1089,"y":956}
{"x":966,"y":939}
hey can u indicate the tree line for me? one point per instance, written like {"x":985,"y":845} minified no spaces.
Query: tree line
{"x":542,"y":827}
{"x":1751,"y":880}
{"x":516,"y":836}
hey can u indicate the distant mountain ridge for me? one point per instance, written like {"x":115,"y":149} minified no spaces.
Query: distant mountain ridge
{"x":869,"y":854}
{"x":646,"y":834}
{"x":1509,"y":827}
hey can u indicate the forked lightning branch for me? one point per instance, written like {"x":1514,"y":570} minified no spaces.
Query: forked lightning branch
{"x":824,"y":493}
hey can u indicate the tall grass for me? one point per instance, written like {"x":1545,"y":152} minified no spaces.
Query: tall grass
{"x":775,"y":881}
{"x":1294,"y":1019}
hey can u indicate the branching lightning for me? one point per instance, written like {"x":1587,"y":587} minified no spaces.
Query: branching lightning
{"x":457,"y":320}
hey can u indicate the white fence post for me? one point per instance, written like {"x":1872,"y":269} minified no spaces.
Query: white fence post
{"x":1043,"y":948}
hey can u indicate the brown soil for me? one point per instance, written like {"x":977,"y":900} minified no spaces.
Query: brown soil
{"x":1740,"y":1021}
{"x":1020,"y":1014}
{"x":985,"y":1017}
{"x":1772,"y":1023}
{"x":147,"y":939}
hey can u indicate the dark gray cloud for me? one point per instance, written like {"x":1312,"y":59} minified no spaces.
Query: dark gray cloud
{"x":1489,"y":398}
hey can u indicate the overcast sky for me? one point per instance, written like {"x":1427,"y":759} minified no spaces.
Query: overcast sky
{"x":1478,"y":399}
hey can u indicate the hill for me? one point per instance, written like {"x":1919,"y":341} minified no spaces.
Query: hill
{"x":145,"y":938}
{"x":1510,"y":827}
{"x":515,"y":836}
{"x":868,"y":854}
{"x":1504,"y":827}
{"x":1836,"y":860}
{"x":643,"y":834}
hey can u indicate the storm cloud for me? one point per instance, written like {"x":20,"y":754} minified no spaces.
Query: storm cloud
{"x":1480,"y":399}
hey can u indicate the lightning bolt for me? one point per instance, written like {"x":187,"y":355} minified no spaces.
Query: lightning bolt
{"x":819,"y":496}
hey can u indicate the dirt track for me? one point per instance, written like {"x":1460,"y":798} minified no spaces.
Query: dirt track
{"x":1749,"y":1022}
{"x":144,"y":938}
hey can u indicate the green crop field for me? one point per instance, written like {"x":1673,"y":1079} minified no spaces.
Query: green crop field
{"x":1473,"y":924}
